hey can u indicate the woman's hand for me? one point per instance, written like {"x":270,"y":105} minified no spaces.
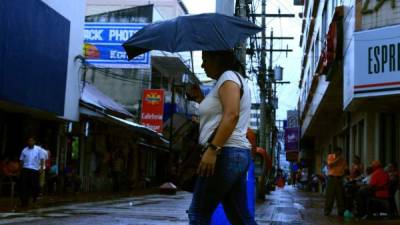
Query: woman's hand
{"x":207,"y":163}
{"x":194,"y":93}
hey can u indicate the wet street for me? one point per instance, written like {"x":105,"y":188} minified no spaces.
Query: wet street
{"x":282,"y":207}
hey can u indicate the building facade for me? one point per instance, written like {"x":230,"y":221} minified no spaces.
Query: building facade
{"x":166,"y":70}
{"x":39,"y":76}
{"x":349,"y":86}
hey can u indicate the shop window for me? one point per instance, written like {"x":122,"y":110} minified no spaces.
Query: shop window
{"x":354,"y":140}
{"x":75,"y":148}
{"x":387,"y":138}
{"x":361,"y":138}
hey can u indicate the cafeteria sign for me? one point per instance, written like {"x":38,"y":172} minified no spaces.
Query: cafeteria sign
{"x":103,"y":45}
{"x":153,"y":109}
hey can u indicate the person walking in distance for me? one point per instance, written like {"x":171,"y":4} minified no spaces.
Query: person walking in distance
{"x":224,"y":112}
{"x":334,"y":190}
{"x":32,"y":160}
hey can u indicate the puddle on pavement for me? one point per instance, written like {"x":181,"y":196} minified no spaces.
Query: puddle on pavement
{"x":298,"y":206}
{"x":55,"y":215}
{"x":286,"y":223}
{"x":287,"y":210}
{"x":4,"y":215}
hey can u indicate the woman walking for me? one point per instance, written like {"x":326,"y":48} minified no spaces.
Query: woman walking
{"x":224,"y":119}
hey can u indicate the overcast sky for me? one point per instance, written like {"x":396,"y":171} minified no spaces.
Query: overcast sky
{"x":288,"y":93}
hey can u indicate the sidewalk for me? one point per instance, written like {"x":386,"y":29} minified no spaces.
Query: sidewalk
{"x":287,"y":206}
{"x":290,"y":206}
{"x":7,"y":205}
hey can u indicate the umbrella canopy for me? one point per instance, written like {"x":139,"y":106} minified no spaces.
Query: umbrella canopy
{"x":208,"y":32}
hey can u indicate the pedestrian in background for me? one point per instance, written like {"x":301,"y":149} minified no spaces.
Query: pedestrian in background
{"x":224,"y":112}
{"x":334,"y":190}
{"x":32,"y":160}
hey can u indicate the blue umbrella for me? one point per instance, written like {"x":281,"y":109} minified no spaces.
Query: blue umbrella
{"x":208,"y":32}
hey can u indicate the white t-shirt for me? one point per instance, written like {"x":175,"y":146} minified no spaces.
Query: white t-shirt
{"x":31,"y":157}
{"x":210,"y":112}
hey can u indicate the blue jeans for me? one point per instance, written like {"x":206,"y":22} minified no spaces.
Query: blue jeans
{"x":226,"y":186}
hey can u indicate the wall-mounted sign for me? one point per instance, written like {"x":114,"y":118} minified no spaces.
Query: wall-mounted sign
{"x":292,"y":139}
{"x":103,"y":45}
{"x":153,"y":109}
{"x":377,"y":62}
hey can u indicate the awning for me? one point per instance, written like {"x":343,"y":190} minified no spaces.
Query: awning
{"x":96,"y":104}
{"x":139,"y":128}
{"x":93,"y":96}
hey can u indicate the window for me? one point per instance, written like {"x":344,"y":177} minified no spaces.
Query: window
{"x":324,"y":24}
{"x":313,"y":58}
{"x":387,"y":138}
{"x":333,"y":5}
{"x":254,"y":124}
{"x":317,"y":51}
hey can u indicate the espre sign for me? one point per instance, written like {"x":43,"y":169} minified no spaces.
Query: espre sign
{"x":383,"y":58}
{"x":377,"y":62}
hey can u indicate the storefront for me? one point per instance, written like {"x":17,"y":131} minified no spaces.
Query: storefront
{"x":109,"y":142}
{"x":372,"y":96}
{"x":17,"y":126}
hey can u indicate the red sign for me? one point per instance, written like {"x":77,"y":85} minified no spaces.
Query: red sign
{"x":153,"y":109}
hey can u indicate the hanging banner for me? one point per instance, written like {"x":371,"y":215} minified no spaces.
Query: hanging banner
{"x":103,"y":45}
{"x":153,"y":109}
{"x":292,"y":139}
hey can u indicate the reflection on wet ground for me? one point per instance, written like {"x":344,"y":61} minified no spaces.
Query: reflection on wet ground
{"x":282,"y":207}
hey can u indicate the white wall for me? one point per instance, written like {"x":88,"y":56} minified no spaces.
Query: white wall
{"x":74,"y":11}
{"x":167,"y":8}
{"x":385,"y":16}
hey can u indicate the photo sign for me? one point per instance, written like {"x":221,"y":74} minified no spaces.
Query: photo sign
{"x":103,"y":45}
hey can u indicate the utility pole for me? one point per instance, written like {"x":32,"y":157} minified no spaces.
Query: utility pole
{"x":268,"y":86}
{"x":262,"y":81}
{"x":241,"y":48}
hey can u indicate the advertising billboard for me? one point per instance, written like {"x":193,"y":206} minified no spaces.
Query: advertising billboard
{"x":292,"y":139}
{"x":103,"y":45}
{"x":377,"y":62}
{"x":152,"y":109}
